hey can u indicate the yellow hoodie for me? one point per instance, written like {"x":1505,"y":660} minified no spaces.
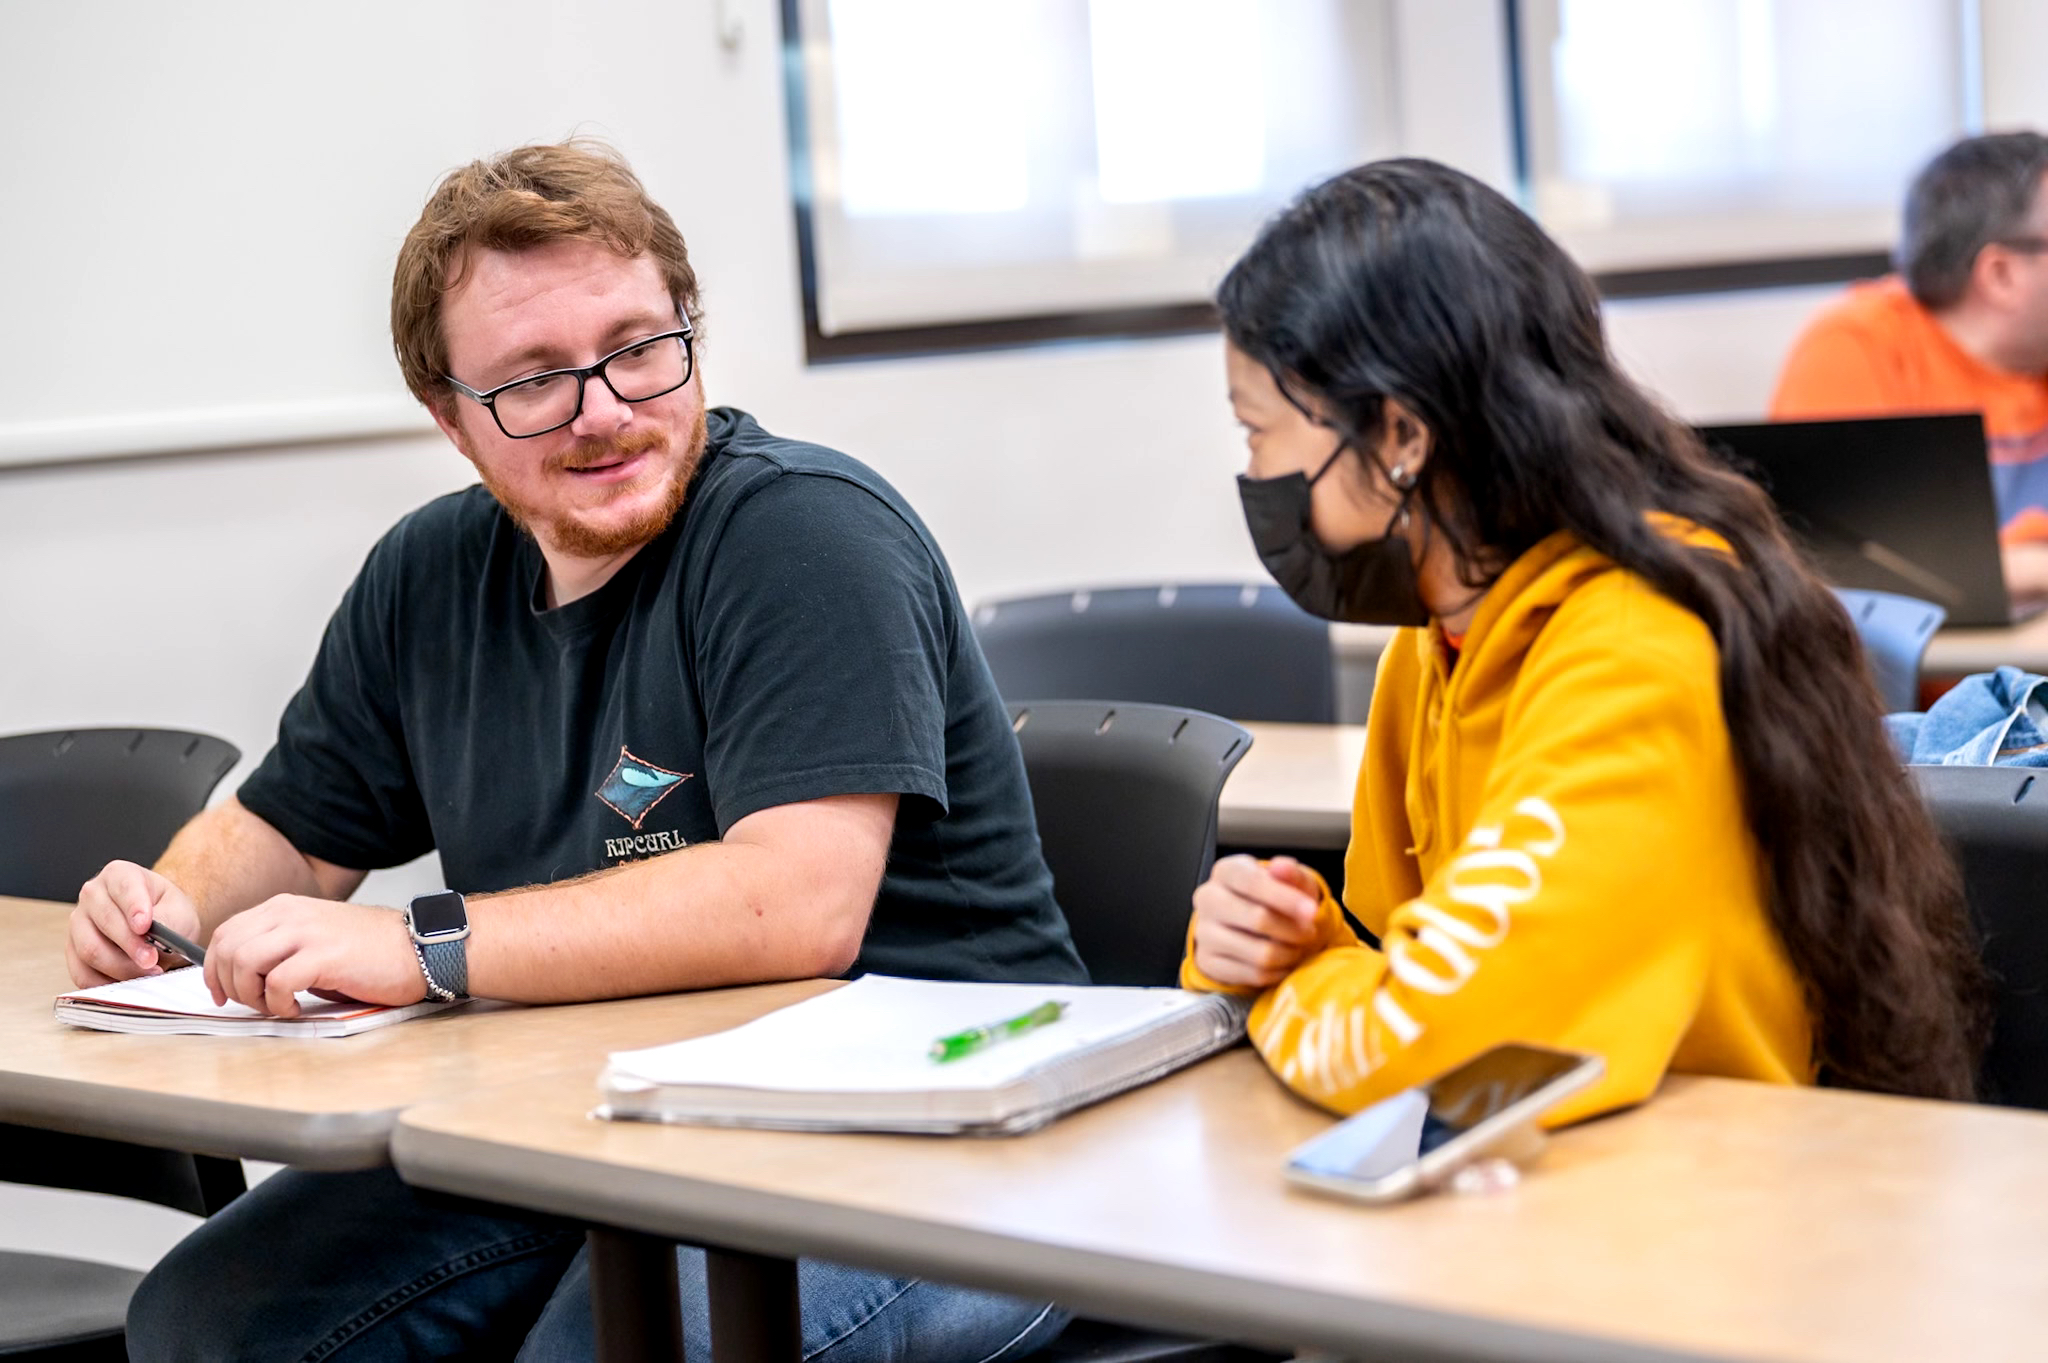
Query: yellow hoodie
{"x":1549,"y":840}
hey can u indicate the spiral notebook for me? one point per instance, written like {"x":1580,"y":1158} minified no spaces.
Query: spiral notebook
{"x":858,"y":1058}
{"x":177,"y":1001}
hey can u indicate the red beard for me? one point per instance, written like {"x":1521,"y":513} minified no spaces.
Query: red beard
{"x":572,"y":537}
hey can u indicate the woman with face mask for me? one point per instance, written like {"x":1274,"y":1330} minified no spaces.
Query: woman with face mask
{"x":1625,"y":786}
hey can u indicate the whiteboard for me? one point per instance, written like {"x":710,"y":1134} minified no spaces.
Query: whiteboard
{"x":204,"y":201}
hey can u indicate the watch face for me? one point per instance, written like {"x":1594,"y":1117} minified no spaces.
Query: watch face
{"x":433,"y":914}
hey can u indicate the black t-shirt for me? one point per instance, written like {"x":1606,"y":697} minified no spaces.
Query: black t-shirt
{"x":794,"y":634}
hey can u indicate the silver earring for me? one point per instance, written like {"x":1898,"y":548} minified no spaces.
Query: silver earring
{"x":1398,"y":476}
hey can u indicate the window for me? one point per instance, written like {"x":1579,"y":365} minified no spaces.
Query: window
{"x":985,"y":172}
{"x":1684,"y":132}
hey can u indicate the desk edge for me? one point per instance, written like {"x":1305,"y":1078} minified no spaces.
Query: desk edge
{"x":1269,"y":827}
{"x":310,"y":1140}
{"x":697,"y":1211}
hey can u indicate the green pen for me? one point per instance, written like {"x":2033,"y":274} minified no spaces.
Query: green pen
{"x":976,"y":1038}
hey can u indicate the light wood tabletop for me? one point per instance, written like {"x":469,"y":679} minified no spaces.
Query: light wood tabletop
{"x":1293,"y":787}
{"x":1959,"y":652}
{"x":1723,"y":1220}
{"x":1951,"y":653}
{"x":323,"y":1103}
{"x":1362,"y":644}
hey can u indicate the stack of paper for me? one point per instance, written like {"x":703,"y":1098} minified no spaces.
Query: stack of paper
{"x":858,"y":1058}
{"x":178,"y":1001}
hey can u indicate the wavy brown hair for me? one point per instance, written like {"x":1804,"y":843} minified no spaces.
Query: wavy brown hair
{"x":1408,"y":280}
{"x":530,"y":196}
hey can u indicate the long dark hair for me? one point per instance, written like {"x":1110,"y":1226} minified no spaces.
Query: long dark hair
{"x":1408,"y":280}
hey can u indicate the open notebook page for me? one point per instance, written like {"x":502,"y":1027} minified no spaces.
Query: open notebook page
{"x":178,"y":1001}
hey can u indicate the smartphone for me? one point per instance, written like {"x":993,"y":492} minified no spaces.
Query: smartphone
{"x":1417,"y":1139}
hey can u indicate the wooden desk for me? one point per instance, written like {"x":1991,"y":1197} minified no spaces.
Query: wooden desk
{"x":1724,"y":1220}
{"x":1959,"y":652}
{"x":1293,"y":788}
{"x":1359,"y":646}
{"x":317,"y":1103}
{"x":1951,"y":653}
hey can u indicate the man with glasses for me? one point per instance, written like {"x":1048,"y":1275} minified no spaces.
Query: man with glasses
{"x":679,"y":702}
{"x":1963,"y":326}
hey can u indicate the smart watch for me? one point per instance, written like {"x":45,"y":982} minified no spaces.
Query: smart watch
{"x":439,"y":924}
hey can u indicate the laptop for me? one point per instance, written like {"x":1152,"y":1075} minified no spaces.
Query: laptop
{"x":1891,"y":504}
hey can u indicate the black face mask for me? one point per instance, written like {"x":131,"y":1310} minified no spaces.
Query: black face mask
{"x":1372,"y":584}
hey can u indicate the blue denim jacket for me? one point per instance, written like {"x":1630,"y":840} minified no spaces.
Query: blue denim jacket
{"x":1990,"y":719}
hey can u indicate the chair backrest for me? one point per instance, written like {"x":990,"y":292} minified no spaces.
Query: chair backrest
{"x":1243,"y":651}
{"x":1996,"y":821}
{"x":1895,"y":630}
{"x":72,"y":801}
{"x":1126,"y":802}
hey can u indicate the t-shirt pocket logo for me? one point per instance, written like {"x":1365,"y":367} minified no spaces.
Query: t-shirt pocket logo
{"x":636,"y":786}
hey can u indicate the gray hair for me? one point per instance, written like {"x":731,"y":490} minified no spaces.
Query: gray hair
{"x":1979,"y":191}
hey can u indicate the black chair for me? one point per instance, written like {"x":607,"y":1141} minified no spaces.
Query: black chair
{"x":70,"y":802}
{"x":1996,"y":821}
{"x":59,"y":1310}
{"x":1894,"y":630}
{"x":1126,"y":802}
{"x":1243,"y":651}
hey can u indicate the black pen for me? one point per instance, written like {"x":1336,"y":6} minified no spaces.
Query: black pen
{"x":166,"y":940}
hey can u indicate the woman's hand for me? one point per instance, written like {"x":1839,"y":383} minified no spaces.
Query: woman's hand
{"x":1255,"y":922}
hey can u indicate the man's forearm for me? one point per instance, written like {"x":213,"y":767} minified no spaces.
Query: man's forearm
{"x":734,"y":912}
{"x":227,"y":860}
{"x":786,"y":895}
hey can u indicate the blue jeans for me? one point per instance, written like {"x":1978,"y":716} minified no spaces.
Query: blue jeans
{"x":359,"y":1267}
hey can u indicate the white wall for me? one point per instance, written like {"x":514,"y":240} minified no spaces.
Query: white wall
{"x":190,"y":590}
{"x":2015,"y":43}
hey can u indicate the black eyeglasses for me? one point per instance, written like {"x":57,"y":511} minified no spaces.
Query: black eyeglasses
{"x":539,"y":403}
{"x":2030,"y":245}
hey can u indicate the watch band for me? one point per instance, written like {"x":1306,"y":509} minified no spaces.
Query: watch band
{"x":446,"y":965}
{"x":434,"y":991}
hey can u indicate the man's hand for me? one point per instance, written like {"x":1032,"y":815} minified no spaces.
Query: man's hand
{"x":264,"y":956}
{"x":114,"y":909}
{"x":1255,"y":923}
{"x":2026,"y":572}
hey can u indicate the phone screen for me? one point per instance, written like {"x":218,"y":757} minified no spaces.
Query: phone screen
{"x":1400,"y":1130}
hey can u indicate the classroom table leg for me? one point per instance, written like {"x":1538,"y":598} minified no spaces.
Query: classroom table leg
{"x":634,"y":1298}
{"x":754,"y":1313}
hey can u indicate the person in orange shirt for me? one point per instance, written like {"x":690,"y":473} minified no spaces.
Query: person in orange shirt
{"x":1963,"y":326}
{"x":1626,"y":788}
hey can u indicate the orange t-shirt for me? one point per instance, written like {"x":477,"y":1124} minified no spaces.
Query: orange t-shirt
{"x":1878,"y":352}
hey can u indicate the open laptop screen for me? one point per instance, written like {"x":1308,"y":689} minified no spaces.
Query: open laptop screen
{"x":1891,"y":504}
